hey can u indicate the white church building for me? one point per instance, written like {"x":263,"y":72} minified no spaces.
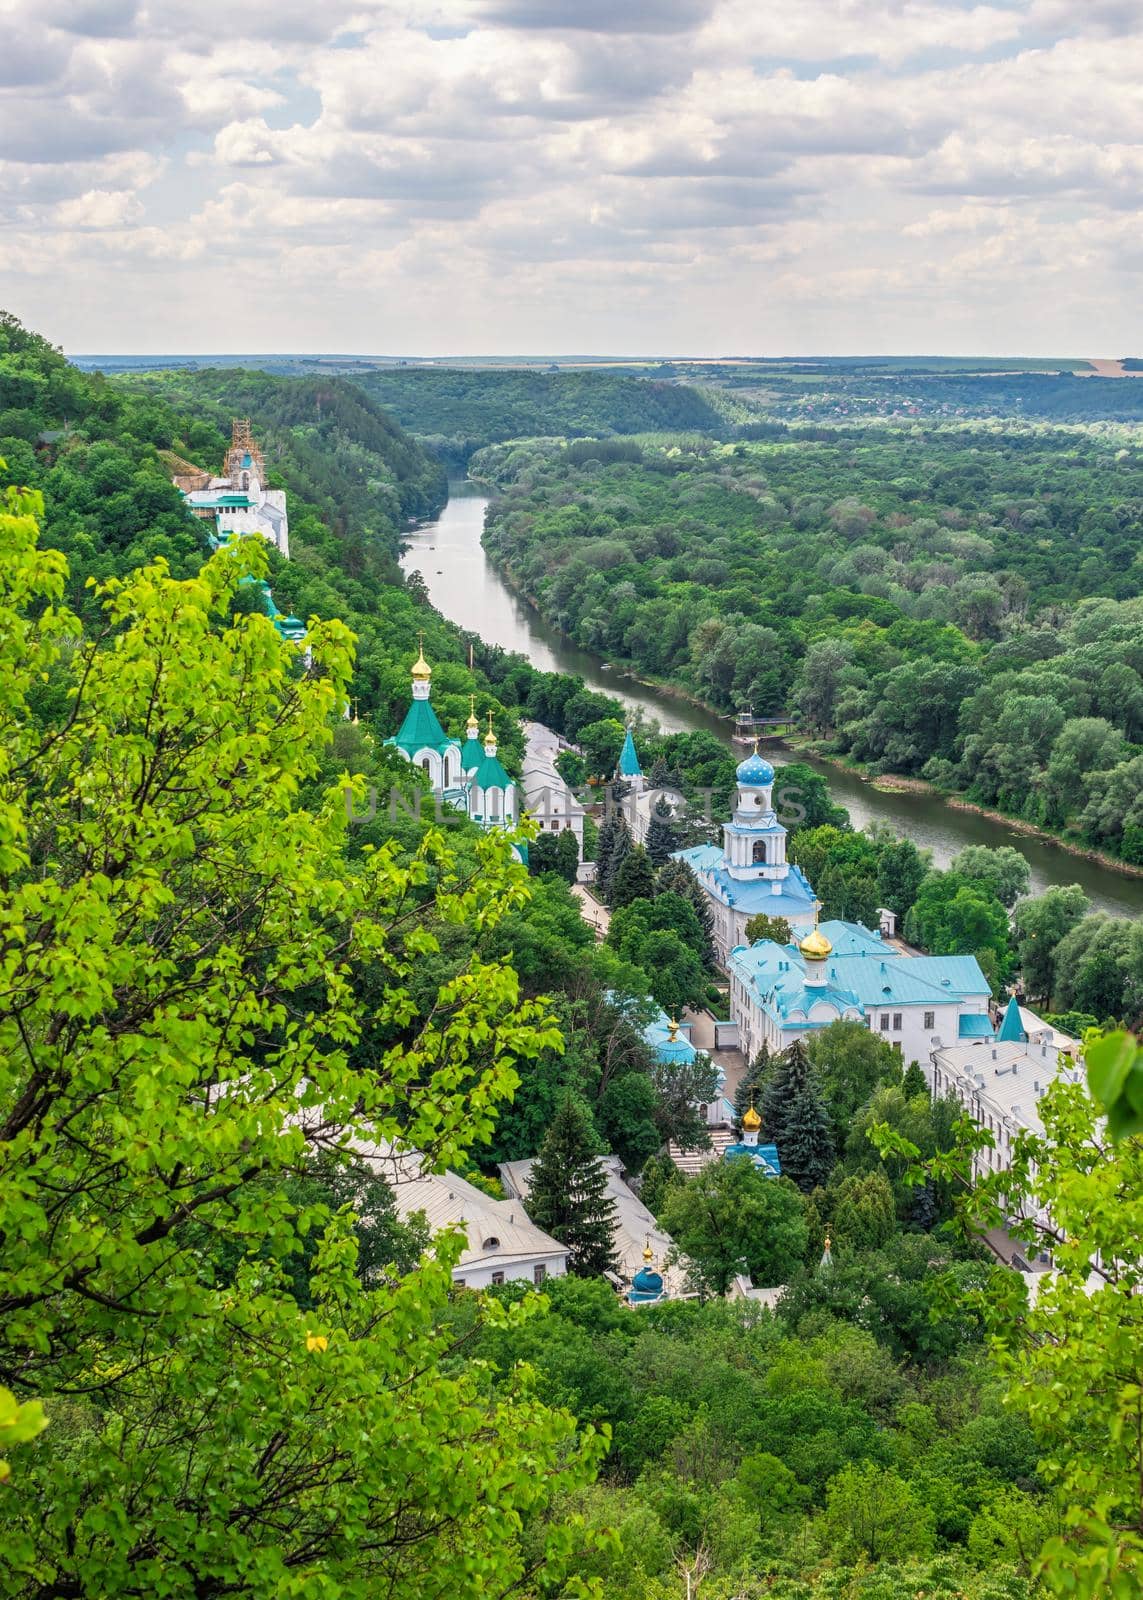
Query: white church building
{"x":469,"y":776}
{"x":237,"y":503}
{"x":750,"y":873}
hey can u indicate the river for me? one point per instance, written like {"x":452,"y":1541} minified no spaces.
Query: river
{"x":465,"y":587}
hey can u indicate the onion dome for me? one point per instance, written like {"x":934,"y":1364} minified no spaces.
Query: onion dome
{"x":472,"y":726}
{"x":490,"y":739}
{"x":755,"y":772}
{"x":422,"y":672}
{"x":815,"y":946}
{"x":752,"y":1121}
{"x":647,"y":1284}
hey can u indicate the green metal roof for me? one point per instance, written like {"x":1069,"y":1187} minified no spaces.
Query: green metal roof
{"x":471,"y":754}
{"x":421,"y":730}
{"x":490,"y":774}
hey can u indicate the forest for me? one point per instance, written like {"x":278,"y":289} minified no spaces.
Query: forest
{"x":227,"y":1367}
{"x":948,"y":605}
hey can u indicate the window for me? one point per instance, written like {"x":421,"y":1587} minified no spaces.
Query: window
{"x":555,"y":827}
{"x":896,"y":1022}
{"x":492,"y":1242}
{"x":539,"y":1274}
{"x":497,"y":1279}
{"x":930,"y":1020}
{"x":760,"y":852}
{"x":458,"y":1283}
{"x":885,"y":1022}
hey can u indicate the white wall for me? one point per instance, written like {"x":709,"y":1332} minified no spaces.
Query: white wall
{"x":515,"y":1270}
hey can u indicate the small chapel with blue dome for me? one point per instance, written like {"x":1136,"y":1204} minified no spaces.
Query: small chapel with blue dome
{"x":750,"y":873}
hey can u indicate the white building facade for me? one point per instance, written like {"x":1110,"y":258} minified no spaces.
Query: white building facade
{"x":843,"y":972}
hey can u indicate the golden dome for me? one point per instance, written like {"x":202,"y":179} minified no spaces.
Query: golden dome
{"x":752,"y":1121}
{"x":422,"y":672}
{"x":816,"y":946}
{"x":648,"y":1253}
{"x":472,"y":726}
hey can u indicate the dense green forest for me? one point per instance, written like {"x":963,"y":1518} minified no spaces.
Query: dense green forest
{"x":959,"y":606}
{"x":456,"y":410}
{"x":254,"y":1379}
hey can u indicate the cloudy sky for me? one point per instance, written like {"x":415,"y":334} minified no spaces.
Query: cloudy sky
{"x":539,"y":176}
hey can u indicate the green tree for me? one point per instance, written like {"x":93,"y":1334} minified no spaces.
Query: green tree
{"x":871,"y":1510}
{"x":572,"y":768}
{"x":676,"y":877}
{"x":600,"y":743}
{"x":849,"y":1062}
{"x":901,"y":870}
{"x":864,"y":1211}
{"x":634,"y":879}
{"x":731,"y":1219}
{"x":185,"y":952}
{"x":795,"y":1119}
{"x":760,"y":926}
{"x":626,"y":1117}
{"x":568,"y":1193}
{"x":1003,"y":871}
{"x":659,"y":1176}
{"x":1041,"y":923}
{"x":660,"y":833}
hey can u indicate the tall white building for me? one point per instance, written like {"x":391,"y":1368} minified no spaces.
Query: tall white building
{"x":750,"y":874}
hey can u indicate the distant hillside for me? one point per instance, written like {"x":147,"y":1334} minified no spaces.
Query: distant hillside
{"x":456,"y":412}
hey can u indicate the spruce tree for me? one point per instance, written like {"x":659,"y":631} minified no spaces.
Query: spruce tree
{"x":660,"y":833}
{"x":604,"y":849}
{"x":568,"y":1196}
{"x":794,"y":1117}
{"x":914,"y":1082}
{"x":677,"y":878}
{"x":753,"y":1083}
{"x":620,"y":845}
{"x":634,"y":880}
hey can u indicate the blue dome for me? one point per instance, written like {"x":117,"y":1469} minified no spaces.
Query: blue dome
{"x":754,"y":772}
{"x":646,"y":1282}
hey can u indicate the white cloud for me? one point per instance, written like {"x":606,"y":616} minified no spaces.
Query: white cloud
{"x":473,"y":175}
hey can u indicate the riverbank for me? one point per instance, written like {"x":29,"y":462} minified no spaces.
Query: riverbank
{"x":467,"y":588}
{"x":883,"y":783}
{"x":893,"y":783}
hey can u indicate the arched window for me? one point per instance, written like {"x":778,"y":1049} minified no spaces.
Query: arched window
{"x":427,"y":765}
{"x":246,"y":480}
{"x":759,"y":852}
{"x":447,"y":772}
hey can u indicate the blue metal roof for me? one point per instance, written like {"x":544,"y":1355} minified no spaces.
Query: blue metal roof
{"x":764,"y":1156}
{"x":973,"y":1026}
{"x":658,"y":1036}
{"x":629,"y":759}
{"x":1012,"y":1027}
{"x":795,"y":902}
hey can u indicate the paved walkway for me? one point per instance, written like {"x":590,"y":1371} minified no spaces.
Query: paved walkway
{"x":593,"y":913}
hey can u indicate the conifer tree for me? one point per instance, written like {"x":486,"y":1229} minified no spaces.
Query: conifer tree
{"x":568,"y":1193}
{"x":633,"y":880}
{"x":619,"y":845}
{"x":794,"y":1117}
{"x":914,"y":1082}
{"x":605,"y":850}
{"x":752,"y":1085}
{"x":675,"y":877}
{"x":660,"y":833}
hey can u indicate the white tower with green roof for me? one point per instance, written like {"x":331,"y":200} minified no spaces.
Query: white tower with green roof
{"x":491,"y":793}
{"x":422,"y":741}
